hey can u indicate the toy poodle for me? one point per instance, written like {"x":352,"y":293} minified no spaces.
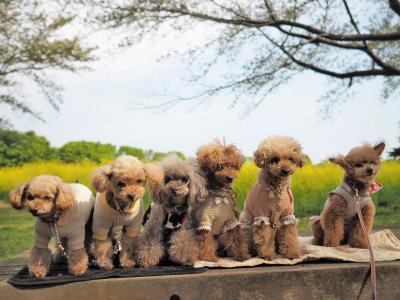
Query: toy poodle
{"x":338,"y":223}
{"x":269,"y":206}
{"x":176,"y":186}
{"x":118,"y":211}
{"x":214,"y":218}
{"x":62,"y":211}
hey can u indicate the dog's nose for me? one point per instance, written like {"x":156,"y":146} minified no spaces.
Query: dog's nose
{"x":285,"y":172}
{"x":131,"y":196}
{"x":370,"y":171}
{"x":174,"y":191}
{"x":34,"y":211}
{"x":229,"y":178}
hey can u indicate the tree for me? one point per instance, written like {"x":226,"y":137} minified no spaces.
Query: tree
{"x":17,"y":148}
{"x":137,"y":152}
{"x":79,"y":151}
{"x":31,"y":43}
{"x":348,"y":42}
{"x":395,"y":153}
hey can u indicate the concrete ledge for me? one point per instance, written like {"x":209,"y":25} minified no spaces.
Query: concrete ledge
{"x":308,"y":281}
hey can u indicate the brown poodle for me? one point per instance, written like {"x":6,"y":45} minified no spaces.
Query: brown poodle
{"x":214,"y":218}
{"x":118,"y":211}
{"x":59,"y":208}
{"x":339,"y":223}
{"x":175,"y":187}
{"x":269,"y":207}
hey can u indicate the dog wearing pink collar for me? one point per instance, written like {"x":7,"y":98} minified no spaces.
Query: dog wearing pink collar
{"x":338,"y":223}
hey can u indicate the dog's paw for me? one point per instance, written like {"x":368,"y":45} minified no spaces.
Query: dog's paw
{"x":77,"y":269}
{"x":38,"y":271}
{"x":242,"y":257}
{"x":104,"y":264}
{"x":126,"y":262}
{"x":209,"y":257}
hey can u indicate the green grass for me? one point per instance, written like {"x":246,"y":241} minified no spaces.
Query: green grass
{"x":311,"y":185}
{"x":17,"y":232}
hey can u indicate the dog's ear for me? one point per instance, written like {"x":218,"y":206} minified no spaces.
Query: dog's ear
{"x":301,"y":161}
{"x":379,"y":148}
{"x":338,"y":160}
{"x":65,"y":196}
{"x":260,"y":157}
{"x":197,"y":185}
{"x":155,"y":181}
{"x":100,"y":177}
{"x":17,"y":196}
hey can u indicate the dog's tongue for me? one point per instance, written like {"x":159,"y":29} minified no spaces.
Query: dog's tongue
{"x":375,"y":187}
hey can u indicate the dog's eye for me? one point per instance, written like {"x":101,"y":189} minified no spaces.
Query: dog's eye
{"x":274,"y":160}
{"x":167,"y":179}
{"x":219,"y":167}
{"x":29,"y":197}
{"x":358,"y":165}
{"x":184,"y":179}
{"x":47,"y":198}
{"x":121,"y":184}
{"x":139,"y":181}
{"x":292,"y":159}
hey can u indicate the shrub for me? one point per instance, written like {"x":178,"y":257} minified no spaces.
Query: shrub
{"x":79,"y":151}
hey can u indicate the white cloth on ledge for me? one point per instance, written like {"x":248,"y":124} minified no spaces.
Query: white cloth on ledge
{"x":385,"y":244}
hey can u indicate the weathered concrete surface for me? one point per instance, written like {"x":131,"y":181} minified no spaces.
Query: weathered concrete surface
{"x":308,"y":281}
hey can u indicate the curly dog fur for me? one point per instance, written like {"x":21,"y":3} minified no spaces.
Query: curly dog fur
{"x":49,"y":199}
{"x":278,"y":157}
{"x":214,"y":217}
{"x":122,"y":185}
{"x":173,"y":190}
{"x":335,"y":226}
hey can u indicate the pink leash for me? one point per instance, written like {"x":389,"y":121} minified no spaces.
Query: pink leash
{"x":371,"y":253}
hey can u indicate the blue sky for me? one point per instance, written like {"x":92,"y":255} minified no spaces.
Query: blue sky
{"x":99,"y":106}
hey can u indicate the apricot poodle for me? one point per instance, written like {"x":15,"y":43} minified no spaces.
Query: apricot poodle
{"x":62,"y":211}
{"x":269,"y":206}
{"x":118,"y":211}
{"x":338,"y":223}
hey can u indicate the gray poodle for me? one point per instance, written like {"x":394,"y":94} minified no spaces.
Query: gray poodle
{"x":174,"y":190}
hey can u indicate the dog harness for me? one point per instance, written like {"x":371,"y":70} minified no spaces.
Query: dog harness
{"x":347,"y":193}
{"x":70,"y":225}
{"x":105,"y":218}
{"x":172,"y":222}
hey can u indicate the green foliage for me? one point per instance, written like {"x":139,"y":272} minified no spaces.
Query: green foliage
{"x":79,"y":151}
{"x":17,"y":148}
{"x":395,"y":153}
{"x":137,"y":152}
{"x":32,"y":42}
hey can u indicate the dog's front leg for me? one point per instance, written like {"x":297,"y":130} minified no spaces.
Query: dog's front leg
{"x":126,"y":257}
{"x":149,"y":252}
{"x":207,"y":246}
{"x":102,"y":251}
{"x":78,"y":261}
{"x":263,"y":241}
{"x":332,"y":221}
{"x":288,"y":242}
{"x":356,"y":236}
{"x":39,"y":263}
{"x":184,"y":248}
{"x":237,"y":244}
